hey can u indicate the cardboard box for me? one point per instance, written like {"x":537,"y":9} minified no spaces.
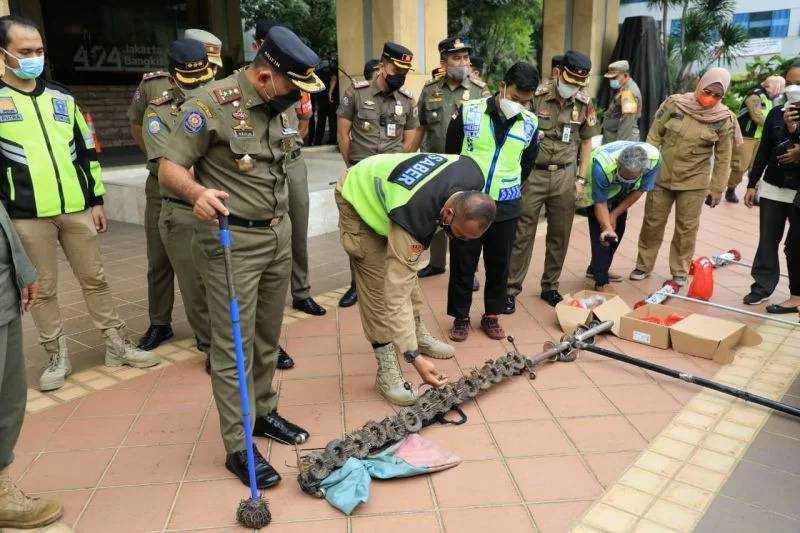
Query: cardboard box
{"x":711,"y":338}
{"x":570,"y":317}
{"x":634,"y":329}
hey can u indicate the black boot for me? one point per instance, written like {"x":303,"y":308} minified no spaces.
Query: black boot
{"x":429,"y":271}
{"x":511,"y":305}
{"x":552,"y":297}
{"x":285,"y":361}
{"x":274,"y":426}
{"x":154,"y":336}
{"x":266,"y":476}
{"x":349,"y":298}
{"x":308,"y":306}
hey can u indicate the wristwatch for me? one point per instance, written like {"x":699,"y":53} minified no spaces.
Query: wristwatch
{"x":580,"y":180}
{"x":410,"y":355}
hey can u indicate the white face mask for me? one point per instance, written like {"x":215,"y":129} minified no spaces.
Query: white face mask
{"x":567,"y":91}
{"x":510,"y":108}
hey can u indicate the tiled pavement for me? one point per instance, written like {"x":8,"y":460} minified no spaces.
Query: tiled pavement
{"x":143,"y":453}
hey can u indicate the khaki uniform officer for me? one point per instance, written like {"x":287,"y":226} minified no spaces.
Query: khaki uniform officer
{"x":621,"y":121}
{"x":567,"y":123}
{"x":440,"y":99}
{"x":236,"y":135}
{"x":211,"y":43}
{"x":378,"y":117}
{"x":688,"y":139}
{"x":176,"y":222}
{"x":389,"y":208}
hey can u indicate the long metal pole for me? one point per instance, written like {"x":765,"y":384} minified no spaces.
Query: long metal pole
{"x":690,"y":378}
{"x":734,"y":309}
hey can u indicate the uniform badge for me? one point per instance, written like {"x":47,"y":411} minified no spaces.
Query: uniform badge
{"x":367,"y":126}
{"x":239,"y":114}
{"x":398,"y":110}
{"x":414,"y":251}
{"x":346,"y":100}
{"x":60,"y":110}
{"x":8,"y":110}
{"x":245,"y":163}
{"x":243,"y":130}
{"x":193,"y":122}
{"x":465,"y":95}
{"x":173,"y":110}
{"x":154,"y":126}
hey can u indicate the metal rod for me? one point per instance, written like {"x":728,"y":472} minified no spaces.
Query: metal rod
{"x":565,"y":345}
{"x":734,"y":309}
{"x":689,"y":378}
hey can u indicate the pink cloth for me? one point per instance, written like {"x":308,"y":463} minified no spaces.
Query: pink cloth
{"x":422,"y":453}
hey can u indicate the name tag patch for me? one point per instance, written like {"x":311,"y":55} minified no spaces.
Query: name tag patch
{"x":60,"y":110}
{"x":509,"y":193}
{"x":412,"y":171}
{"x":8,"y":110}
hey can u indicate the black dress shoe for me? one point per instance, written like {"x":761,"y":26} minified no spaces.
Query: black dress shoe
{"x":266,"y":476}
{"x":274,"y":426}
{"x":778,"y":309}
{"x":552,"y":297}
{"x":511,"y":305}
{"x":154,"y":336}
{"x":349,"y":298}
{"x":309,"y":306}
{"x":476,"y":285}
{"x":285,"y":361}
{"x":429,"y":271}
{"x":730,"y":196}
{"x":753,"y":298}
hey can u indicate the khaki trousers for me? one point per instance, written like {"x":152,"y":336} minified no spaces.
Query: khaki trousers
{"x":176,"y":226}
{"x":78,"y":238}
{"x":688,"y":206}
{"x":160,"y":275}
{"x":13,"y":389}
{"x":555,"y":191}
{"x":741,"y":160}
{"x":368,"y":256}
{"x":297,"y":179}
{"x":262,"y":261}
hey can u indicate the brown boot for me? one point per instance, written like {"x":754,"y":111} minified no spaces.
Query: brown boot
{"x":460,"y":330}
{"x":20,"y":511}
{"x":491,"y":326}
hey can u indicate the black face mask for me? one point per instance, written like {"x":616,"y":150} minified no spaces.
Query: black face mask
{"x":282,"y":102}
{"x":395,"y":81}
{"x":448,"y":229}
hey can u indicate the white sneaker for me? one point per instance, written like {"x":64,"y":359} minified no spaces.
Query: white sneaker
{"x":121,"y":351}
{"x":55,"y":374}
{"x":637,"y":275}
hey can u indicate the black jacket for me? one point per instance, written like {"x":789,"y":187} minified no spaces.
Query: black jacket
{"x":774,"y":141}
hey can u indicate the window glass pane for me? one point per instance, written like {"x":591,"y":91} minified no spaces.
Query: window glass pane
{"x":764,"y":23}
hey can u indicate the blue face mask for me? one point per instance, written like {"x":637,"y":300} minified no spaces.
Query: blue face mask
{"x":614,"y":83}
{"x":29,"y":67}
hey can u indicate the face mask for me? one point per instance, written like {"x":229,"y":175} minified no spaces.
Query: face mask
{"x":282,"y":102}
{"x":394,"y":81}
{"x":567,"y":91}
{"x":29,"y":67}
{"x":706,"y":101}
{"x":626,"y":180}
{"x":510,"y":108}
{"x":614,"y":83}
{"x":458,"y":73}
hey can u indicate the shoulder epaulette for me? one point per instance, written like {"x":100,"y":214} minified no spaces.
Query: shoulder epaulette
{"x":582,"y":97}
{"x":432,"y":81}
{"x":224,"y":95}
{"x":155,"y":74}
{"x":163,"y":99}
{"x":406,"y":92}
{"x":479,"y":83}
{"x":361,"y":84}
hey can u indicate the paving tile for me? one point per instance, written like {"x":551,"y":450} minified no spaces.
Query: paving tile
{"x":132,"y":509}
{"x":313,"y":526}
{"x":669,"y":514}
{"x":628,"y":499}
{"x":72,"y":501}
{"x":650,"y":424}
{"x":321,"y":345}
{"x":495,"y":486}
{"x":166,"y":428}
{"x":208,"y":461}
{"x":418,"y":522}
{"x":560,"y":375}
{"x":609,"y":466}
{"x":771,"y":489}
{"x":584,"y":401}
{"x":645,"y":398}
{"x":288,"y":503}
{"x":148,"y":464}
{"x":776,"y":451}
{"x":356,"y":364}
{"x":217,"y":499}
{"x":309,"y":391}
{"x":316,"y":367}
{"x":557,"y":517}
{"x":734,"y":516}
{"x":643,"y":480}
{"x":356,"y":414}
{"x":318,"y":418}
{"x":90,"y":433}
{"x":35,"y":434}
{"x":543,"y":479}
{"x":469,"y":442}
{"x":512,"y":406}
{"x":509,"y":519}
{"x":687,"y":496}
{"x":605,"y":373}
{"x":66,"y":470}
{"x":602,"y":434}
{"x":530,"y":437}
{"x":609,"y":518}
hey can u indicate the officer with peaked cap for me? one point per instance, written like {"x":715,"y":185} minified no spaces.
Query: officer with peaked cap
{"x":212,"y":44}
{"x":378,"y":117}
{"x":239,"y":134}
{"x":567,"y":123}
{"x":621,"y":121}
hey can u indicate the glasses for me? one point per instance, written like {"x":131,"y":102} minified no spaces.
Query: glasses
{"x":712,"y":94}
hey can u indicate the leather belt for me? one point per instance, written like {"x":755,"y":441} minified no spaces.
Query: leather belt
{"x":176,"y":201}
{"x":551,"y":168}
{"x":233,"y":220}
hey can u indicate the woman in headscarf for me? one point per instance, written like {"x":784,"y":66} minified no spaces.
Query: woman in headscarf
{"x":695,"y":132}
{"x":755,"y":108}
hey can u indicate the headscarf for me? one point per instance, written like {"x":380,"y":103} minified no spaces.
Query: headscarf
{"x":774,"y":85}
{"x":687,"y":102}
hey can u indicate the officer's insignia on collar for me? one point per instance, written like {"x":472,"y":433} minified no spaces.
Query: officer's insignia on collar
{"x":156,"y":74}
{"x":163,"y":99}
{"x":193,"y":122}
{"x":223,"y":95}
{"x":406,"y":92}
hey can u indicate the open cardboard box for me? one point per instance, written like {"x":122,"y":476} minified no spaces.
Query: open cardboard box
{"x":711,"y":338}
{"x":633,"y":328}
{"x":570,"y":317}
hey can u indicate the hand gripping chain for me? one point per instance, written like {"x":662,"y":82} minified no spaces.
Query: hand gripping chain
{"x":372,"y":436}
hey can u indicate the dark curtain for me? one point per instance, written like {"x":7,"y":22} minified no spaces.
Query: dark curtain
{"x":640,"y":44}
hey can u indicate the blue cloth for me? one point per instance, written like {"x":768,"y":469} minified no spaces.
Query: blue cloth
{"x":601,"y":183}
{"x":348,"y":487}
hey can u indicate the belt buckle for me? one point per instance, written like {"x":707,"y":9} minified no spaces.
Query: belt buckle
{"x":251,"y":223}
{"x":274,"y":221}
{"x":552,"y":168}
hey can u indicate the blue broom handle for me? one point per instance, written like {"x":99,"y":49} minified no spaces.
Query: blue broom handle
{"x":244,"y":397}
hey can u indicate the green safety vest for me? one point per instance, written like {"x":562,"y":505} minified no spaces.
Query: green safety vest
{"x":500,"y":164}
{"x":766,"y":103}
{"x":379,"y":184}
{"x":49,"y":162}
{"x":607,"y":155}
